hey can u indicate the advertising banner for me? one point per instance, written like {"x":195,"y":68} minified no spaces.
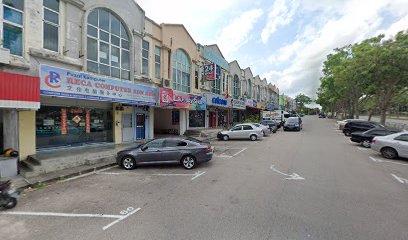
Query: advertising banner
{"x":238,"y":104}
{"x":249,"y":103}
{"x":82,"y":85}
{"x":210,"y":72}
{"x":171,"y":98}
{"x":217,"y":100}
{"x":260,"y":105}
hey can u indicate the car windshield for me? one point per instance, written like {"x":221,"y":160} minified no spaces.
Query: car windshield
{"x":292,"y":120}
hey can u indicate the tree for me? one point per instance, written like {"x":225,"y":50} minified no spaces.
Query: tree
{"x":301,"y":100}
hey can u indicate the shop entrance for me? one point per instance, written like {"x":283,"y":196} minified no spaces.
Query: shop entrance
{"x":127,"y":127}
{"x":213,"y":120}
{"x":140,"y":126}
{"x":166,"y":121}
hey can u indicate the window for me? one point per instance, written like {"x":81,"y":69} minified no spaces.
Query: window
{"x":145,"y":57}
{"x":223,"y":82}
{"x":196,"y":80}
{"x":157,"y":62}
{"x":237,"y":128}
{"x":196,"y":118}
{"x":247,"y":127}
{"x":249,"y":93}
{"x":174,"y":143}
{"x":51,"y":24}
{"x":216,"y":85}
{"x":13,"y":15}
{"x":403,"y":137}
{"x":107,"y":45}
{"x":181,"y":71}
{"x":175,"y":117}
{"x":236,"y":87}
{"x":258,"y":93}
{"x":158,"y":143}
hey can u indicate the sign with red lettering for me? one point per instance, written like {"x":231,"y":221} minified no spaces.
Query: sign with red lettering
{"x":171,"y":98}
{"x":88,"y":121}
{"x":210,"y":72}
{"x":63,"y":121}
{"x":82,"y":85}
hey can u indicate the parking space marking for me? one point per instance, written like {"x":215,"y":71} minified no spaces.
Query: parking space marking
{"x":52,"y":214}
{"x":239,"y":152}
{"x":198,"y":175}
{"x":193,"y":175}
{"x":362,"y":149}
{"x":121,"y":218}
{"x":387,"y":161}
{"x":400,"y":179}
{"x":88,"y":174}
{"x":222,"y":156}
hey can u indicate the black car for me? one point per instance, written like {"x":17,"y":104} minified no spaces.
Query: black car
{"x":186,"y":151}
{"x":359,"y":126}
{"x":271,"y":123}
{"x":322,"y":115}
{"x":365,"y":138}
{"x":293,"y":123}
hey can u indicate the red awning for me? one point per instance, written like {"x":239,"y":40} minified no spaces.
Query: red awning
{"x":19,"y":91}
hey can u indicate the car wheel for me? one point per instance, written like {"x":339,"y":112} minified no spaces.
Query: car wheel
{"x":366,"y":143}
{"x":389,"y":153}
{"x":263,"y":133}
{"x":225,"y":138}
{"x":128,"y":163}
{"x":188,"y":162}
{"x":347,"y":133}
{"x":253,"y":137}
{"x":11,"y":203}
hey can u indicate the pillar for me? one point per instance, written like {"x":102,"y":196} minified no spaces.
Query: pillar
{"x":26,"y":134}
{"x":183,"y":121}
{"x":117,"y":125}
{"x":151,"y":123}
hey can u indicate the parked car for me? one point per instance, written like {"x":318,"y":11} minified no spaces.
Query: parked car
{"x":322,"y":115}
{"x":186,"y":151}
{"x":365,"y":138}
{"x":242,"y":131}
{"x":265,"y":129}
{"x":341,"y":124}
{"x":392,"y":146}
{"x":359,"y":126}
{"x":271,"y":123}
{"x":292,"y":123}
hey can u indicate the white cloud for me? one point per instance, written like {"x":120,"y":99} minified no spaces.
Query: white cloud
{"x":281,"y":14}
{"x":237,"y":32}
{"x":359,"y":20}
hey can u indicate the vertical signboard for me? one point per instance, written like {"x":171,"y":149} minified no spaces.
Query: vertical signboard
{"x":64,"y":121}
{"x":88,"y":121}
{"x":210,"y":71}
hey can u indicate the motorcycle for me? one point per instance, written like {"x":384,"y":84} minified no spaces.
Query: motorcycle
{"x":8,"y":195}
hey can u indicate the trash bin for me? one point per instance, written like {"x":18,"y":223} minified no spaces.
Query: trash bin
{"x":8,"y":166}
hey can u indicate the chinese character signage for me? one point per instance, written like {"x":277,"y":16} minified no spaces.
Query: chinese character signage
{"x":81,"y":85}
{"x":171,"y":98}
{"x":210,"y":72}
{"x":217,"y":100}
{"x":238,"y":104}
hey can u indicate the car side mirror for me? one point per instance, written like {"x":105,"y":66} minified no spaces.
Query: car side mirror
{"x":144,"y":148}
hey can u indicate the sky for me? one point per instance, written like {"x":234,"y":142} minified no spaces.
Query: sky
{"x":284,"y":41}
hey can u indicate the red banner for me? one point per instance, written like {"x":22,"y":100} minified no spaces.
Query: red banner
{"x":63,"y":121}
{"x":210,"y":72}
{"x":88,"y":121}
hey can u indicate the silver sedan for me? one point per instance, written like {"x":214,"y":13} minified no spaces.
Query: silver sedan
{"x":241,"y":131}
{"x":392,"y":146}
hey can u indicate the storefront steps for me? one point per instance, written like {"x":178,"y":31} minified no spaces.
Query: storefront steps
{"x":51,"y":161}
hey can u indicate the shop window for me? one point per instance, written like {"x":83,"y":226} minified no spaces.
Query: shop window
{"x":50,"y":24}
{"x":196,"y":80}
{"x":65,"y":126}
{"x":145,"y":57}
{"x":13,"y":27}
{"x":196,"y":118}
{"x":157,"y":62}
{"x":181,"y":71}
{"x":108,"y":45}
{"x":236,"y":87}
{"x":175,"y":117}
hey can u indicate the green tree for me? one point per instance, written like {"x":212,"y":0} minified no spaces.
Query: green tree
{"x":302,"y":100}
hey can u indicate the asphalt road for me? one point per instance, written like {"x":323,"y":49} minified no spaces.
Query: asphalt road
{"x":332,"y":190}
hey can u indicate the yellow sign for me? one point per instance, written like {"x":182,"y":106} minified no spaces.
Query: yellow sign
{"x":260,"y":105}
{"x":76,"y":119}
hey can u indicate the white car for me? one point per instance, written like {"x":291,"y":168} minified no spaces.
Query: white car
{"x":241,"y":131}
{"x":392,"y":146}
{"x":265,"y":129}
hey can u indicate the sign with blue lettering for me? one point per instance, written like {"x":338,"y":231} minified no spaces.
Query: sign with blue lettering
{"x":218,"y":100}
{"x":65,"y":83}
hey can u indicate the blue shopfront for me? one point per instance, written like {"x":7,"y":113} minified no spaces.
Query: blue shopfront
{"x":81,"y":108}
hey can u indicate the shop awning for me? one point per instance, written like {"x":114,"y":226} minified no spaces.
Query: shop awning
{"x":19,"y":91}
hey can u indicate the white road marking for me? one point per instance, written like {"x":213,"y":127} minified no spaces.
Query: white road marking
{"x":388,"y":161}
{"x":197,"y":175}
{"x":293,"y":176}
{"x":53,"y":214}
{"x":120,"y":219}
{"x":239,"y":152}
{"x":362,"y":149}
{"x":400,"y":179}
{"x":222,"y":156}
{"x":87,"y":174}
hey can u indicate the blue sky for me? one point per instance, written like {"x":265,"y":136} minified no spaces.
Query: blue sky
{"x":285,"y":41}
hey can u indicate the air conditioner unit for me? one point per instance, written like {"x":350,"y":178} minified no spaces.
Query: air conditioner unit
{"x":165,"y":83}
{"x":4,"y":56}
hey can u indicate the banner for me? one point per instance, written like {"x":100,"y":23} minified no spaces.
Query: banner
{"x":217,"y":100}
{"x":171,"y":98}
{"x":81,"y":85}
{"x":210,"y":72}
{"x":238,"y":104}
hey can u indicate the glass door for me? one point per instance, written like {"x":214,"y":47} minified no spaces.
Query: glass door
{"x":140,"y":126}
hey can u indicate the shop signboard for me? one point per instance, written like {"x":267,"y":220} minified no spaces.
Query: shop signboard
{"x":171,"y":98}
{"x":260,"y":105}
{"x":64,"y":121}
{"x":210,"y":72}
{"x":250,"y":103}
{"x":218,"y":100}
{"x":82,"y":85}
{"x":238,"y":104}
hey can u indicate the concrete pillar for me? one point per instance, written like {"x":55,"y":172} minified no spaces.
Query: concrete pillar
{"x":26,"y":134}
{"x":10,"y":129}
{"x":183,"y":121}
{"x":117,"y":125}
{"x":151,"y":122}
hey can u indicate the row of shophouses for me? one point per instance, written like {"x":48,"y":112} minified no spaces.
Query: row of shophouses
{"x":75,"y":72}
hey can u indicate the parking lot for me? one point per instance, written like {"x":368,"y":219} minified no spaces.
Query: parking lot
{"x":290,"y":185}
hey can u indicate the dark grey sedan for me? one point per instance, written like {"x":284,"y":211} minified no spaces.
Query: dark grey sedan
{"x":183,"y":150}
